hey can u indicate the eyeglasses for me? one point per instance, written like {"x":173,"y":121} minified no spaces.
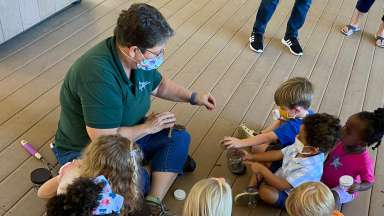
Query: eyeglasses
{"x":158,"y":54}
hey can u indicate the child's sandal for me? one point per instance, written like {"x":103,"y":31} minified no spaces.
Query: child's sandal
{"x":350,"y":30}
{"x":379,"y":41}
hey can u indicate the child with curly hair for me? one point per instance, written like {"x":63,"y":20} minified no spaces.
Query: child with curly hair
{"x":351,"y":156}
{"x":85,"y":197}
{"x":117,"y":159}
{"x":302,"y":162}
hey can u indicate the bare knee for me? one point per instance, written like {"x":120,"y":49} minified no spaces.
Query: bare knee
{"x":268,"y":194}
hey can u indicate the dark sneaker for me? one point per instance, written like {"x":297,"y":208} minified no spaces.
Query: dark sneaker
{"x":249,"y":197}
{"x":189,"y":165}
{"x":256,"y":43}
{"x":293,"y":44}
{"x":157,"y":209}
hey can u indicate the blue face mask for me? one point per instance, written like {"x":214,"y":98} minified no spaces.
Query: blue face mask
{"x":152,"y":63}
{"x":148,"y":64}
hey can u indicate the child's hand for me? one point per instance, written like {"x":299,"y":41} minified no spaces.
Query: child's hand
{"x":232,"y":142}
{"x":354,"y":188}
{"x":255,"y":167}
{"x":246,"y":155}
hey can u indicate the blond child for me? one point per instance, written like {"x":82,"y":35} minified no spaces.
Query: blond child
{"x":293,"y":97}
{"x":302,"y":162}
{"x":209,"y":197}
{"x":311,"y":199}
{"x":114,"y":157}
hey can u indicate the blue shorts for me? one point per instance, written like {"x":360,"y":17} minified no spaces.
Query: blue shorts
{"x":280,"y":203}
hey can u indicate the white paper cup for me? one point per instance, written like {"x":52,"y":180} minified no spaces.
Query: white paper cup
{"x":346,"y":182}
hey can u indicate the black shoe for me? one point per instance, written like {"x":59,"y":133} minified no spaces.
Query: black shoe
{"x":293,"y":44}
{"x":256,"y":43}
{"x":189,"y":165}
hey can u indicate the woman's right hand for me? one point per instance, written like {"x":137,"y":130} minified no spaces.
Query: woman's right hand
{"x":159,"y":121}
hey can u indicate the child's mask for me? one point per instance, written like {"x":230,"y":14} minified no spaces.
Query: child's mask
{"x":304,"y":150}
{"x":282,"y":114}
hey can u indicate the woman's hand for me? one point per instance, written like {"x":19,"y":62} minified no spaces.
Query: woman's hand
{"x":206,"y":100}
{"x":159,"y":121}
{"x":232,"y":142}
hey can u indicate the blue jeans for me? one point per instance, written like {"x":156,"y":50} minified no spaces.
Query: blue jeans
{"x":295,"y":22}
{"x":364,"y":5}
{"x":166,"y":154}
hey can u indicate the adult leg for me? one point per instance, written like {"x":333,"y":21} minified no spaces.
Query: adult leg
{"x":167,"y":157}
{"x":264,"y":14}
{"x":64,"y":157}
{"x":362,"y":7}
{"x":297,"y":18}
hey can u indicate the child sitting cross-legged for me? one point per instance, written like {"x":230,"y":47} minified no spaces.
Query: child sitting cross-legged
{"x":302,"y":162}
{"x":351,"y":156}
{"x":311,"y":199}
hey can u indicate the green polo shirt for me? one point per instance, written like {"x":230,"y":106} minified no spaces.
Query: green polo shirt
{"x":97,"y":93}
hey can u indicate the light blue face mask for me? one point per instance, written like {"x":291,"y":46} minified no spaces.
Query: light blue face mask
{"x":148,"y":64}
{"x":152,"y":63}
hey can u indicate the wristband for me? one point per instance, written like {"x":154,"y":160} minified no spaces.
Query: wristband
{"x":192,"y":100}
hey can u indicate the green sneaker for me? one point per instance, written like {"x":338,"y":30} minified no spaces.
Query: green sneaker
{"x":249,"y":197}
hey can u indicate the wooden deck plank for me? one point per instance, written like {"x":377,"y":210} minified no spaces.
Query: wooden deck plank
{"x":201,"y":72}
{"x":61,"y":70}
{"x":59,"y":51}
{"x":22,"y":41}
{"x":333,"y":97}
{"x":20,"y":59}
{"x":243,"y":63}
{"x":206,"y":55}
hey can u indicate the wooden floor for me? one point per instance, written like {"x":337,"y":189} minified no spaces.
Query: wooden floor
{"x":209,"y":53}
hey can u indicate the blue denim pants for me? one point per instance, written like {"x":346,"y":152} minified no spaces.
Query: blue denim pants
{"x":295,"y":22}
{"x":165,"y":154}
{"x":364,"y":5}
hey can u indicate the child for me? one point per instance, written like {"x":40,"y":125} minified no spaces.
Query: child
{"x":351,"y":156}
{"x":294,"y":98}
{"x":113,"y":156}
{"x":302,"y":161}
{"x":209,"y":197}
{"x":86,"y":197}
{"x":295,"y":22}
{"x":311,"y":199}
{"x":362,"y":7}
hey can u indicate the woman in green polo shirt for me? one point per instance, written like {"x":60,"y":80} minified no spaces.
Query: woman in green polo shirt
{"x":108,"y":90}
